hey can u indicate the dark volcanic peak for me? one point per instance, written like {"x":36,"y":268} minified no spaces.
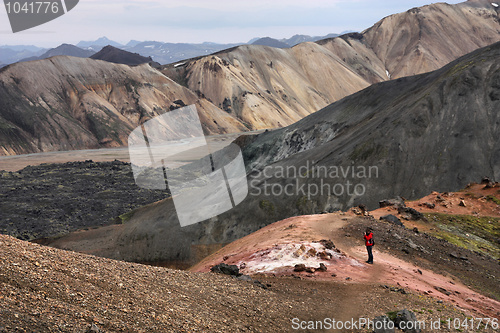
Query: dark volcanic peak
{"x":117,"y":56}
{"x":271,"y":42}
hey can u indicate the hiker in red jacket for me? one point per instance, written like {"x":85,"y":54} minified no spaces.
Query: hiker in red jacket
{"x":369,"y":242}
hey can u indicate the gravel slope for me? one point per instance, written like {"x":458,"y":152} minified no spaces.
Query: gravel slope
{"x":49,"y":290}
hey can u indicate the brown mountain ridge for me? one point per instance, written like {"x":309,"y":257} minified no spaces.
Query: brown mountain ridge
{"x":268,"y":87}
{"x":80,"y":103}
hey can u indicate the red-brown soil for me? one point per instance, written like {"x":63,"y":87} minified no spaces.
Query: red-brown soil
{"x":426,"y":267}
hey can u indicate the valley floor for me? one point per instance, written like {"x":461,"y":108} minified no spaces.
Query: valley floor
{"x":18,"y":162}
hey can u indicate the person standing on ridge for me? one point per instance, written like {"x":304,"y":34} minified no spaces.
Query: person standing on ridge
{"x":369,"y":242}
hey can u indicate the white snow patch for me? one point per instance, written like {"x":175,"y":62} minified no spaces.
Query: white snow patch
{"x":494,"y":4}
{"x":289,"y":255}
{"x":150,"y":46}
{"x":388,"y":74}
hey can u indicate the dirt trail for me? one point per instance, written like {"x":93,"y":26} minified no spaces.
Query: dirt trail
{"x":391,"y":270}
{"x":332,"y":229}
{"x":253,"y":250}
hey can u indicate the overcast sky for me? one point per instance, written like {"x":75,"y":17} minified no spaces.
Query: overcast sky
{"x":196,"y":21}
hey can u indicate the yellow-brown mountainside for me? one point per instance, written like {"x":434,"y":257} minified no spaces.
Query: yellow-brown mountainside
{"x":66,"y":103}
{"x":268,"y":87}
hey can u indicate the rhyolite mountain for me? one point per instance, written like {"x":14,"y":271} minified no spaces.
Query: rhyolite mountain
{"x":434,"y":131}
{"x":112,"y":54}
{"x":270,"y":88}
{"x":254,"y":87}
{"x":68,"y":103}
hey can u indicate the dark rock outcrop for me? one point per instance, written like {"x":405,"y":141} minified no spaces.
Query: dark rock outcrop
{"x":383,"y":324}
{"x":226,"y":269}
{"x":411,"y":212}
{"x":396,"y":202}
{"x":407,"y":321}
{"x":392,"y":219}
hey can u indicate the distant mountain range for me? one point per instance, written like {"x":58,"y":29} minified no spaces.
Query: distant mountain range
{"x":64,"y":49}
{"x":10,"y":54}
{"x":166,"y":53}
{"x":297,"y":39}
{"x":163,"y":53}
{"x":98,"y":44}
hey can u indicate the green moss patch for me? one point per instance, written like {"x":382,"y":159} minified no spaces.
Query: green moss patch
{"x":267,"y":206}
{"x":124,"y":218}
{"x":480,"y":234}
{"x":493,"y":199}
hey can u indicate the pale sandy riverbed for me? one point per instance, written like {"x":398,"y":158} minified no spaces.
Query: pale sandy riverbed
{"x":18,"y":162}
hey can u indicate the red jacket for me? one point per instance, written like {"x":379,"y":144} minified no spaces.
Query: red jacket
{"x":368,"y":239}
